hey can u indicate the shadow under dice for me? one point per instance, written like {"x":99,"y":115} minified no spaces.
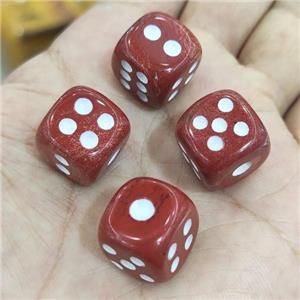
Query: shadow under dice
{"x":156,"y":58}
{"x":82,"y":134}
{"x":148,"y":229}
{"x":222,"y":138}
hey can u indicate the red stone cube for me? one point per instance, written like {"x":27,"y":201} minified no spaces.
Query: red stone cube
{"x":148,"y":229}
{"x":222,"y":138}
{"x":156,"y":58}
{"x":82,"y":134}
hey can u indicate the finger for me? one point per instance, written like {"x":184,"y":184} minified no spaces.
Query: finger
{"x":219,"y":70}
{"x":84,"y":49}
{"x":81,"y":55}
{"x":292,"y":120}
{"x":228,"y":22}
{"x":97,"y":33}
{"x":273,"y":49}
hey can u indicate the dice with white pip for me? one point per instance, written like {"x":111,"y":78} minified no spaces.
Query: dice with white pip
{"x":156,"y":58}
{"x":148,"y":229}
{"x":82,"y":134}
{"x":222,"y":138}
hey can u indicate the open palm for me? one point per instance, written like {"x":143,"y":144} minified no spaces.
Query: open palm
{"x":247,"y":246}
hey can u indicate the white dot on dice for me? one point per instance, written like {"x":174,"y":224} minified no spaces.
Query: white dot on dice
{"x":106,"y":121}
{"x":142,"y":77}
{"x":188,"y":79}
{"x":142,"y":96}
{"x":83,"y":106}
{"x":109,"y":249}
{"x":138,"y":262}
{"x":215,"y":143}
{"x":126,"y":66}
{"x":113,"y":157}
{"x":176,"y":84}
{"x":100,"y":102}
{"x":172,"y":48}
{"x":241,"y":129}
{"x":117,"y":265}
{"x":242,"y":169}
{"x":188,"y":242}
{"x":187,"y":227}
{"x":200,"y":122}
{"x":89,"y":139}
{"x":63,"y":169}
{"x":61,"y":159}
{"x":141,"y":210}
{"x":67,"y":126}
{"x":175,"y":264}
{"x":146,"y":278}
{"x":127,"y":264}
{"x":172,"y":251}
{"x":152,"y":32}
{"x":125,"y":84}
{"x":225,"y":105}
{"x":173,"y":95}
{"x":219,"y":125}
{"x":125,"y":75}
{"x":141,"y":87}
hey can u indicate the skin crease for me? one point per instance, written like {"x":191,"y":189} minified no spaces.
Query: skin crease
{"x":248,"y":242}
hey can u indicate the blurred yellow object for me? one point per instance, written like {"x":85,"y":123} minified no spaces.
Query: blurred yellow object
{"x":28,"y":27}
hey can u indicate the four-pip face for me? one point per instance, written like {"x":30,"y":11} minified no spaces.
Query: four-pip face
{"x":156,"y":58}
{"x":82,"y":134}
{"x":148,"y":229}
{"x":222,"y":138}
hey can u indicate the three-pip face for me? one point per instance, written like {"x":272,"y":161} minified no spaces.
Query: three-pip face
{"x":82,"y":134}
{"x":222,"y":138}
{"x":156,"y":58}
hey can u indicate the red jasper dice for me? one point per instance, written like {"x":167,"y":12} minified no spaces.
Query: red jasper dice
{"x":82,"y":134}
{"x":156,"y":58}
{"x":222,"y":138}
{"x":148,"y":229}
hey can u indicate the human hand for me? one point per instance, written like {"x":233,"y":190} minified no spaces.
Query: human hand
{"x":247,"y":246}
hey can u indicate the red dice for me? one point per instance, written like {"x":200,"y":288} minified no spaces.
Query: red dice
{"x":148,"y":229}
{"x":82,"y":134}
{"x":156,"y":58}
{"x":222,"y":138}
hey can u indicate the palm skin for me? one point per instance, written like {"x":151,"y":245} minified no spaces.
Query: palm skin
{"x":247,"y":246}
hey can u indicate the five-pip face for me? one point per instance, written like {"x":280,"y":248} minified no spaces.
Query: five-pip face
{"x":222,"y":138}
